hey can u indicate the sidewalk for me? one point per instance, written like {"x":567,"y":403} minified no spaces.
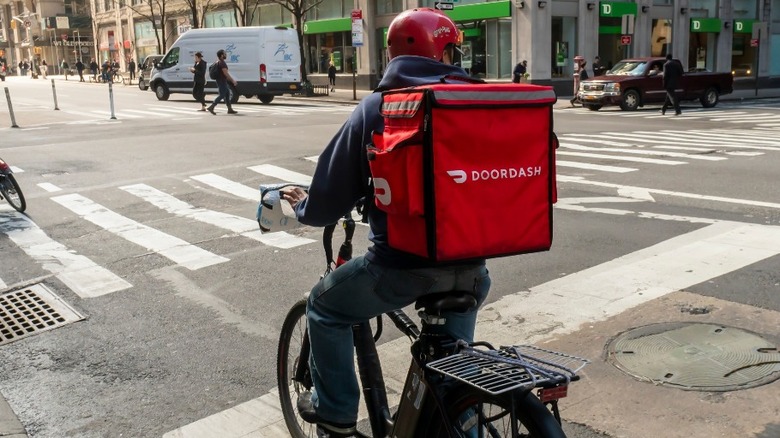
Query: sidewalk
{"x":10,"y":426}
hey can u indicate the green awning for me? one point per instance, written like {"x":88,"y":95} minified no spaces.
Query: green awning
{"x":325,"y":26}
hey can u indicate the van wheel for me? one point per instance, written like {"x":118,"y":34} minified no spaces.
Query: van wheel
{"x":233,"y":94}
{"x":266,"y":98}
{"x":162,"y":92}
{"x":248,"y":96}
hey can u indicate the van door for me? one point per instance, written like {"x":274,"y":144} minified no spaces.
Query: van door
{"x":282,"y":56}
{"x":170,"y":70}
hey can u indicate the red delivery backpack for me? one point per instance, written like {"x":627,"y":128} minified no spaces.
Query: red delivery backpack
{"x":466,"y":171}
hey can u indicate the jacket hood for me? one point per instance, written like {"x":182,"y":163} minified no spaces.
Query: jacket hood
{"x":409,"y":71}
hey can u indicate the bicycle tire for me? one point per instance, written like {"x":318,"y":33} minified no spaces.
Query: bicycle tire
{"x":293,"y":342}
{"x":534,"y":419}
{"x":12,"y":193}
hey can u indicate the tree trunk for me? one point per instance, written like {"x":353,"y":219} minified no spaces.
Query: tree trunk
{"x":299,"y":31}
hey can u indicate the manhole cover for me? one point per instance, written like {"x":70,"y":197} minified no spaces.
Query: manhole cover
{"x":693,"y":356}
{"x":29,"y":311}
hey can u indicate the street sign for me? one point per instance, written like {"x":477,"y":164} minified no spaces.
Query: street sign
{"x":625,"y":40}
{"x":443,"y":6}
{"x":627,"y":24}
{"x":357,"y":27}
{"x":754,"y":42}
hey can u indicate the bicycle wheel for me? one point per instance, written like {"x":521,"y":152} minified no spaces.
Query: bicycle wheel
{"x":477,"y":414}
{"x":293,"y":352}
{"x":10,"y":190}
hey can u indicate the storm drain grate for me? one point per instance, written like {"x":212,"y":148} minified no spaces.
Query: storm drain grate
{"x":29,"y":311}
{"x":696,"y":356}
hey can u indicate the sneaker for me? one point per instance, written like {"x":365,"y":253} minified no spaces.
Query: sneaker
{"x":325,"y":428}
{"x":211,"y":110}
{"x":232,"y":112}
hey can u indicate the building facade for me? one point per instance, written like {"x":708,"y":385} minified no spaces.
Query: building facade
{"x":715,"y":35}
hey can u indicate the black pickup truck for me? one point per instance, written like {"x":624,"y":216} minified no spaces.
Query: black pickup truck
{"x":635,"y":82}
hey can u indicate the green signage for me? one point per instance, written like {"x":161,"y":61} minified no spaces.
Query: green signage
{"x":706,"y":25}
{"x":325,"y":26}
{"x":610,"y":30}
{"x":743,"y":26}
{"x":616,"y":9}
{"x":481,"y":11}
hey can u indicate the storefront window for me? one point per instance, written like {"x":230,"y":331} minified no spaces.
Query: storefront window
{"x":703,"y":38}
{"x":564,"y":46}
{"x":330,"y":9}
{"x":611,"y":47}
{"x":774,"y":42}
{"x":220,"y":19}
{"x":330,"y":47}
{"x":145,"y":40}
{"x":384,"y":7}
{"x":743,"y":56}
{"x":268,"y":15}
{"x":661,"y":37}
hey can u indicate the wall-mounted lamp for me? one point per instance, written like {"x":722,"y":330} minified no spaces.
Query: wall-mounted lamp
{"x":542,"y":4}
{"x":683,"y":11}
{"x":591,"y":6}
{"x":645,"y":9}
{"x":727,"y":24}
{"x":521,"y":5}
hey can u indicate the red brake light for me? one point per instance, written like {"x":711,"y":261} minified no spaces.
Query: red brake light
{"x":263,"y":76}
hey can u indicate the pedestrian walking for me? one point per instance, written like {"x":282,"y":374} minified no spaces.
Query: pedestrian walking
{"x":106,"y":71}
{"x":131,"y":68}
{"x":520,"y":71}
{"x":332,"y":76}
{"x":93,"y":68}
{"x":579,"y":75}
{"x":65,"y":68}
{"x":199,"y":80}
{"x":80,"y":70}
{"x":22,"y":68}
{"x":44,"y":67}
{"x":672,"y":73}
{"x":598,"y":68}
{"x":222,"y":79}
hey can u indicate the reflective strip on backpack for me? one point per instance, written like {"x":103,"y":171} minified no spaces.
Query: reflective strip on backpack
{"x":499,"y":97}
{"x":401,"y":105}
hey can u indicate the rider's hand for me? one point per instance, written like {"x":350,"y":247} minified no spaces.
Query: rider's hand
{"x":293,"y":195}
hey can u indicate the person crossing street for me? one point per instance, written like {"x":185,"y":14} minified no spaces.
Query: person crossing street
{"x":222,"y":79}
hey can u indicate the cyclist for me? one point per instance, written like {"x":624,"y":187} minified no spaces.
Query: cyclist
{"x":421,"y":44}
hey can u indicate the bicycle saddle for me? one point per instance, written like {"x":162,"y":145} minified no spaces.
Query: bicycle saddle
{"x":456,"y":301}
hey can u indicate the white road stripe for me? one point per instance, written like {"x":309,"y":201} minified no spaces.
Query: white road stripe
{"x":621,"y":158}
{"x":685,"y":148}
{"x":239,"y":225}
{"x":175,"y":249}
{"x":80,"y":274}
{"x":145,"y":113}
{"x":642,"y":152}
{"x":228,"y":186}
{"x":556,"y":308}
{"x":49,"y":187}
{"x":192,"y":111}
{"x":15,"y":169}
{"x":281,"y":173}
{"x":589,"y":166}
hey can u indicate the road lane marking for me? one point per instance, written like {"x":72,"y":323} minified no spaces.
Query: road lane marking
{"x":143,"y":113}
{"x":555,"y":308}
{"x":621,"y":158}
{"x":239,"y":225}
{"x":49,"y":187}
{"x":282,"y":174}
{"x":173,"y":248}
{"x":640,"y":151}
{"x":228,"y":186}
{"x":79,"y":273}
{"x":589,"y":166}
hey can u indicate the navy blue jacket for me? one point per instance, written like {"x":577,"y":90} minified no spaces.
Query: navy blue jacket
{"x":342,"y":174}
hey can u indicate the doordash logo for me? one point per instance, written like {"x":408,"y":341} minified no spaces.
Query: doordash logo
{"x":461,"y":176}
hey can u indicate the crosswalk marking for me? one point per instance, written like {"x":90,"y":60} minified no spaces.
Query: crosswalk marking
{"x":642,"y":152}
{"x":175,"y":249}
{"x":239,"y":225}
{"x":621,"y":158}
{"x":49,"y":187}
{"x":144,"y":113}
{"x":281,"y":173}
{"x":228,"y":186}
{"x":589,"y":166}
{"x":80,"y":274}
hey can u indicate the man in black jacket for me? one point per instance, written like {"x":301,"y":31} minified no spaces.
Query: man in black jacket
{"x":672,"y":73}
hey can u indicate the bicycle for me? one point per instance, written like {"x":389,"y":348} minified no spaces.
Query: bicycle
{"x":452,"y":389}
{"x":9,"y":188}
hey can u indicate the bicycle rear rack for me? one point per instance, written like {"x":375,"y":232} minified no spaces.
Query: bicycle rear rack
{"x":509,"y":368}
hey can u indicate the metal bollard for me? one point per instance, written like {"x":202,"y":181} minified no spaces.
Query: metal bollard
{"x":54,"y":91}
{"x":111,"y":98}
{"x":10,"y":108}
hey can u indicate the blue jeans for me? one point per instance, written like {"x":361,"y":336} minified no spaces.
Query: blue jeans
{"x":224,"y":95}
{"x":359,"y":291}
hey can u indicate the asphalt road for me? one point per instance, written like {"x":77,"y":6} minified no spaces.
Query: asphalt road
{"x":656,"y":216}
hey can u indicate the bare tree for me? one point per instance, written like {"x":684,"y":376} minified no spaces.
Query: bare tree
{"x":299,"y":8}
{"x":198,"y":10}
{"x":245,"y":10}
{"x":157,"y":12}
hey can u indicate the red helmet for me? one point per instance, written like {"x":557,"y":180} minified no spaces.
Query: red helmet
{"x":421,"y":32}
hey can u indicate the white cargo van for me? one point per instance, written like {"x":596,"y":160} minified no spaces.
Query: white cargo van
{"x":265,"y":60}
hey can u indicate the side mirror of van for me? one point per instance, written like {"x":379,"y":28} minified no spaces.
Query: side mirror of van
{"x":157,"y":65}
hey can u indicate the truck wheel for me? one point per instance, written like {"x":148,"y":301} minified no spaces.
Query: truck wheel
{"x":630,"y":101}
{"x":162,"y":92}
{"x":710,"y":98}
{"x":593,"y":107}
{"x":233,"y":94}
{"x":266,"y":98}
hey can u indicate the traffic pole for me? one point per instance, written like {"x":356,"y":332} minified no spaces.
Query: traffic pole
{"x":10,"y":108}
{"x":54,"y":92}
{"x":111,"y":99}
